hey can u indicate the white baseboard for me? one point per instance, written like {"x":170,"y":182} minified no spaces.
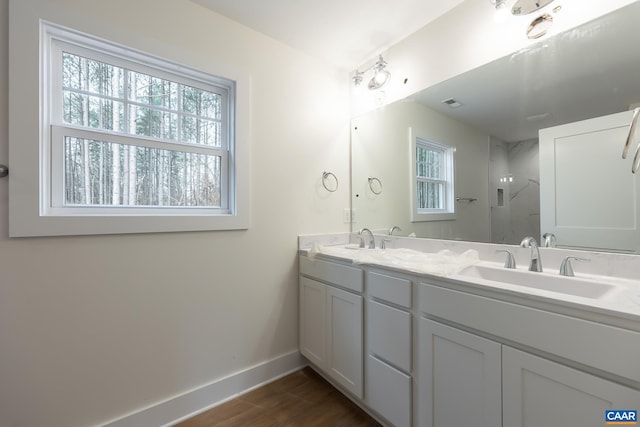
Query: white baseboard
{"x":193,"y":402}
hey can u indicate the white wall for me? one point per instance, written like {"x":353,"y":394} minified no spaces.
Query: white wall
{"x":380,"y":148}
{"x":92,"y":328}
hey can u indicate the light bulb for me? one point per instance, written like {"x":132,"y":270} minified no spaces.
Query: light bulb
{"x":379,"y":79}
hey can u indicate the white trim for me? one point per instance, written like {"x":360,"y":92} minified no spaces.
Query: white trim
{"x":439,"y":215}
{"x":191,"y":403}
{"x":28,"y":58}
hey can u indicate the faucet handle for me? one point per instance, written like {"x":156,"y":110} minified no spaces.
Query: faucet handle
{"x":549,"y":240}
{"x":528,"y":242}
{"x":510,"y":262}
{"x":565,"y":267}
{"x":383,"y":243}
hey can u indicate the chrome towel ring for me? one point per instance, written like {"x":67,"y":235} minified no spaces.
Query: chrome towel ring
{"x":327,"y":181}
{"x":375,"y":185}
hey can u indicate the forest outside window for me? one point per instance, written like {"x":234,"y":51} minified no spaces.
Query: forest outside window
{"x":126,"y":135}
{"x":128,"y":142}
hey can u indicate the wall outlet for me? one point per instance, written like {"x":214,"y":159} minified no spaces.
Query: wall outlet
{"x":346,"y":216}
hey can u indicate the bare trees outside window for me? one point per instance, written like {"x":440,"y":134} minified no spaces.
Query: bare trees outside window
{"x":176,"y":155}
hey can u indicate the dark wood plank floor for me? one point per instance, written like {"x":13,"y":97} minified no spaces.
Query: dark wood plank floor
{"x":303,"y":398}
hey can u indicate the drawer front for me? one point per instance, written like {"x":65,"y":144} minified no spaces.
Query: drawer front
{"x":608,"y":348}
{"x":341,"y":275}
{"x":389,"y":334}
{"x":389,"y":392}
{"x":388,"y":288}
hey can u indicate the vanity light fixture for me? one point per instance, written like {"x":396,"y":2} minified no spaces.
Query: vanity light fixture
{"x":381,"y":76}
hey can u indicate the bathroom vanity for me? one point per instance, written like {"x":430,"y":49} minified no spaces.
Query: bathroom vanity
{"x":470,"y":348}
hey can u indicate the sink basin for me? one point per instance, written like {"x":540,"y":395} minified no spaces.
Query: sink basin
{"x":567,"y":285}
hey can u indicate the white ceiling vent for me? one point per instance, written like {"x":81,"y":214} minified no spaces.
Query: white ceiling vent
{"x":452,"y":103}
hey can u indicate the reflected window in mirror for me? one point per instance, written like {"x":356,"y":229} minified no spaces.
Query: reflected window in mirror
{"x":432,"y":179}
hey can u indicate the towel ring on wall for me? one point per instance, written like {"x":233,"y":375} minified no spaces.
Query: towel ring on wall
{"x":4,"y":171}
{"x":326,"y":181}
{"x":375,"y":185}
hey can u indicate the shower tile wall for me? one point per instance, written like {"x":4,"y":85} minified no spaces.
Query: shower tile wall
{"x":515,"y":191}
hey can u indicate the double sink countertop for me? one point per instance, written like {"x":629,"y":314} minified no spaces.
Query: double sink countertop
{"x":606,"y":289}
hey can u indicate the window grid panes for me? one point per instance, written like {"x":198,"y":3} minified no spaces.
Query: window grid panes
{"x":111,"y":99}
{"x":431,"y":178}
{"x":104,"y":173}
{"x":94,"y":96}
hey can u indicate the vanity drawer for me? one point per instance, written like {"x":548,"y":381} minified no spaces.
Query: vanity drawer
{"x":607,"y":348}
{"x":337,"y":274}
{"x":395,"y":290}
{"x":389,"y":334}
{"x":388,"y":391}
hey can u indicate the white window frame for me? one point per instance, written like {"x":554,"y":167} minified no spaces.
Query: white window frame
{"x":35,"y":208}
{"x":448,"y":212}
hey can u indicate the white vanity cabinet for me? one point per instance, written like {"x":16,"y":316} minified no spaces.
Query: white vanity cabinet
{"x":472,"y":380}
{"x":331,"y":321}
{"x":461,"y":378}
{"x":539,"y":392}
{"x":467,"y":378}
{"x":424,"y":351}
{"x":388,"y":363}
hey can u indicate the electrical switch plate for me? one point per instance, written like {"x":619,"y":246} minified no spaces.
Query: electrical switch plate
{"x":346,"y":216}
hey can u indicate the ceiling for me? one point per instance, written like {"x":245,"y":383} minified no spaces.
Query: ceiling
{"x":344,"y":33}
{"x":583,"y":73}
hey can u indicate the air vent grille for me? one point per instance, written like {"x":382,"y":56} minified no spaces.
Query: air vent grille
{"x":452,"y":103}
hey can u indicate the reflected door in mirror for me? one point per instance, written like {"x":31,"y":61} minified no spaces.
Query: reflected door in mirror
{"x":588,"y":193}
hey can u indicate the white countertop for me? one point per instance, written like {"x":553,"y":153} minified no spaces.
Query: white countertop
{"x":621,"y":301}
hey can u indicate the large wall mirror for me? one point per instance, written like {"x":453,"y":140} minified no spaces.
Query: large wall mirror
{"x":492,"y":117}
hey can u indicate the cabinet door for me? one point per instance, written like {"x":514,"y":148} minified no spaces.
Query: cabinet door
{"x":459,"y":378}
{"x":541,"y":393}
{"x":344,"y":339}
{"x":313,"y":322}
{"x":588,"y":195}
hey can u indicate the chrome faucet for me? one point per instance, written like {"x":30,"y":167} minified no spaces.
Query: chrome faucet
{"x":372,"y":242}
{"x":394,"y":228}
{"x":510,"y":262}
{"x":536,"y":261}
{"x":566,"y":269}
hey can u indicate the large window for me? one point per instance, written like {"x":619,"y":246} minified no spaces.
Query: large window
{"x":433,"y":183}
{"x":125,"y":134}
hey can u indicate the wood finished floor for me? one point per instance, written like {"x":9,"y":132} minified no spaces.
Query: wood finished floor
{"x":302,"y":398}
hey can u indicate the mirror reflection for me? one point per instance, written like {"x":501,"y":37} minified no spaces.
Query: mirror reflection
{"x":491,"y":117}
